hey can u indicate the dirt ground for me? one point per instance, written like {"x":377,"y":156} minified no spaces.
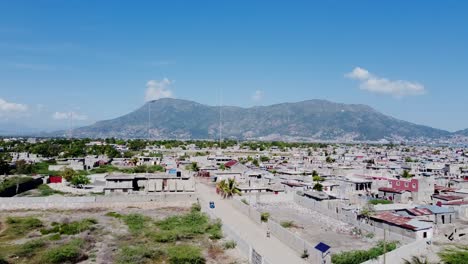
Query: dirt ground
{"x":316,"y":228}
{"x":109,"y":230}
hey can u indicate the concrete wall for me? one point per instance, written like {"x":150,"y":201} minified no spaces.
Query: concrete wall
{"x":255,"y":198}
{"x":399,"y":255}
{"x":334,"y":209}
{"x":243,"y":246}
{"x":86,"y":202}
{"x":296,"y":243}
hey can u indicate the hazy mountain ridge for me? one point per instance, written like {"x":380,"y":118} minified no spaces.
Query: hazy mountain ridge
{"x":305,"y":120}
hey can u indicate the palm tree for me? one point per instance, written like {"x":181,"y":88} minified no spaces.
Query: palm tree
{"x":406,"y":174}
{"x":416,"y":260}
{"x":228,"y":189}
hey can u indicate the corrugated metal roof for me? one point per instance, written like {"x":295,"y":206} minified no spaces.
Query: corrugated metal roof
{"x":436,"y":209}
{"x":402,"y":221}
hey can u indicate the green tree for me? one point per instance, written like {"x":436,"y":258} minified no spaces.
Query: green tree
{"x":406,"y":174}
{"x":228,"y":188}
{"x":22,"y":167}
{"x":4,"y":166}
{"x":79,"y":180}
{"x":255,"y":163}
{"x":330,"y":159}
{"x":68,"y":174}
{"x":318,"y":179}
{"x":318,"y":187}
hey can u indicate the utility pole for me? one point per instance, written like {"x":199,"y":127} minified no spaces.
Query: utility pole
{"x":384,"y":246}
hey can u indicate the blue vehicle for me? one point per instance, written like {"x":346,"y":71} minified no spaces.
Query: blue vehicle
{"x":212,"y":205}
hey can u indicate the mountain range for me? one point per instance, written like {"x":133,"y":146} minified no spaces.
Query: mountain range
{"x":307,"y":120}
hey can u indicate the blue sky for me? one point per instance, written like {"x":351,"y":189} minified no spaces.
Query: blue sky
{"x":101,"y":59}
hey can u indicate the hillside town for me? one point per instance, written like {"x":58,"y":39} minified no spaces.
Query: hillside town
{"x":346,"y":197}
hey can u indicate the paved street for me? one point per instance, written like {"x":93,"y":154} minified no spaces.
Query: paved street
{"x":271,"y":248}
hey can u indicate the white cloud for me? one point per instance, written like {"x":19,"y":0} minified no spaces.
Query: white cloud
{"x":158,"y":89}
{"x":257,"y":95}
{"x":8,"y":107}
{"x":376,"y":84}
{"x":67,"y":115}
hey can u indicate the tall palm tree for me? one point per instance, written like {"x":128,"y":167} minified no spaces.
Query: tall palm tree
{"x":228,"y":189}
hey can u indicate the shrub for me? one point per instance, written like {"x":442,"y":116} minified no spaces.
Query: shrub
{"x":183,"y":254}
{"x":287,"y":224}
{"x":45,"y":190}
{"x":113,"y":214}
{"x":360,"y":256}
{"x":20,"y":226}
{"x":71,"y":228}
{"x":215,"y":230}
{"x":138,"y":254}
{"x":230,"y":244}
{"x":135,"y":222}
{"x":3,"y":260}
{"x":455,"y":255}
{"x":380,"y":201}
{"x":370,"y":235}
{"x":264,"y":217}
{"x":186,"y":226}
{"x":245,"y":201}
{"x":66,"y":253}
{"x":305,"y":254}
{"x":196,"y":207}
{"x":55,"y":237}
{"x":29,"y":248}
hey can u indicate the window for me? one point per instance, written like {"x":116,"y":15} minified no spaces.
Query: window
{"x":398,"y":183}
{"x":425,"y":235}
{"x":406,"y":184}
{"x":414,"y":185}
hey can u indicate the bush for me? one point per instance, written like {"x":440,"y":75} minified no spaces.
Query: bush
{"x":380,"y":201}
{"x":196,"y":207}
{"x":264,"y":217}
{"x":71,"y":228}
{"x":45,"y":190}
{"x":135,"y":222}
{"x":12,"y":181}
{"x":245,"y":201}
{"x":66,"y":253}
{"x":360,"y":256}
{"x":215,"y":230}
{"x":139,"y":254}
{"x":3,"y":261}
{"x":187,"y":226}
{"x":55,"y":237}
{"x":183,"y":254}
{"x":230,"y":244}
{"x":113,"y":214}
{"x":29,"y":248}
{"x":287,"y":224}
{"x":20,"y":226}
{"x":456,"y":255}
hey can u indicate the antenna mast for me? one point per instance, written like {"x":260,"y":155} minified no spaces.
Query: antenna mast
{"x":149,"y":119}
{"x":220,"y":117}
